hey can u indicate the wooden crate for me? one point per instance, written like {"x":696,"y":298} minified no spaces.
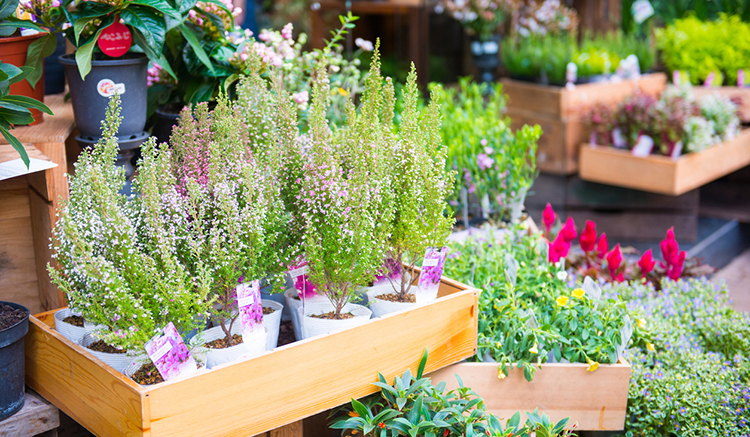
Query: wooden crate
{"x":661,"y":174}
{"x":596,"y":400}
{"x":742,"y":95}
{"x":560,"y":113}
{"x":253,"y":396}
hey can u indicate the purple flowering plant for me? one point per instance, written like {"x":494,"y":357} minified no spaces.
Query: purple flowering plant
{"x":170,"y":354}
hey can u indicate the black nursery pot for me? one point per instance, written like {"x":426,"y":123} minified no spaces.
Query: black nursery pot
{"x":90,"y":97}
{"x":12,"y":376}
{"x":486,"y":56}
{"x":164,"y":122}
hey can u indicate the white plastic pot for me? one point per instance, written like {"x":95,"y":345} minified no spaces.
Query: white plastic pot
{"x":249,"y":347}
{"x":117,"y":361}
{"x":71,"y":332}
{"x":313,"y":326}
{"x":380,"y":307}
{"x":136,"y":364}
{"x":295,"y":304}
{"x":272,"y":322}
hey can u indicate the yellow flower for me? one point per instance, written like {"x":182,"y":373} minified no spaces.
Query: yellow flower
{"x":579,"y":293}
{"x":353,"y":414}
{"x":498,"y":345}
{"x":593,"y":365}
{"x":500,"y":373}
{"x":641,"y":323}
{"x":562,"y":301}
{"x":342,"y":91}
{"x":534,"y":350}
{"x":650,"y":347}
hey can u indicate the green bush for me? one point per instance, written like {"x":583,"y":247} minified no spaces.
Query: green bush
{"x":702,"y":47}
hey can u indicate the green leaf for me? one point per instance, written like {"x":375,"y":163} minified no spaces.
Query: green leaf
{"x":13,"y":116}
{"x":13,"y":141}
{"x":422,"y":364}
{"x":88,"y":11}
{"x":160,"y":5}
{"x":196,"y":46}
{"x":38,"y":50}
{"x":360,"y":408}
{"x":29,"y":103}
{"x":25,"y":71}
{"x":149,"y":25}
{"x":85,"y":52}
{"x":187,"y":5}
{"x":7,"y":8}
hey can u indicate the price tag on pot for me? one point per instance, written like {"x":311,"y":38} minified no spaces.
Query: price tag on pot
{"x":115,"y":40}
{"x":432,"y":268}
{"x":108,"y":87}
{"x":170,"y":355}
{"x":250,"y":306}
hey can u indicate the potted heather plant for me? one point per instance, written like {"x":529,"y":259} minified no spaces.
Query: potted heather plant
{"x":420,"y":185}
{"x":117,"y":262}
{"x":346,"y":201}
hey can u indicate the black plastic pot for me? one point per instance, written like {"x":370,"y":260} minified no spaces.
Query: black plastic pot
{"x":12,"y":369}
{"x":486,"y":56}
{"x":54,"y":73}
{"x":90,"y":100}
{"x":164,"y":121}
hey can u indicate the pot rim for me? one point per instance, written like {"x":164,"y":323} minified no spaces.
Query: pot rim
{"x":138,"y":58}
{"x":17,"y":331}
{"x":12,"y":39}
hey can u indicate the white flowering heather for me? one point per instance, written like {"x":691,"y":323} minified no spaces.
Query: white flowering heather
{"x":345,"y":195}
{"x":421,"y":184}
{"x":232,"y":227}
{"x":132,"y":283}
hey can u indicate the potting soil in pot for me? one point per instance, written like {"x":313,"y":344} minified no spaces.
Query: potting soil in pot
{"x":72,"y":326}
{"x":9,"y":316}
{"x":313,"y":326}
{"x":147,"y":374}
{"x":116,"y":358}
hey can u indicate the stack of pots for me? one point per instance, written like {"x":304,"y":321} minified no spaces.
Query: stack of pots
{"x":126,"y":76}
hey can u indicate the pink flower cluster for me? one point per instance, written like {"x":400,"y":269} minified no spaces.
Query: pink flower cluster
{"x":674,"y":258}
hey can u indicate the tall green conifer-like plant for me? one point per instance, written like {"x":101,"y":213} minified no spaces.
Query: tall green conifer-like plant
{"x":116,"y":262}
{"x":420,"y":184}
{"x":345,"y":199}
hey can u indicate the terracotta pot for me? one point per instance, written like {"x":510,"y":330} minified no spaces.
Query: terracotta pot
{"x":13,"y":51}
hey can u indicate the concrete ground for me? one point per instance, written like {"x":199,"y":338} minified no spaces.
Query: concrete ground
{"x":737,"y":277}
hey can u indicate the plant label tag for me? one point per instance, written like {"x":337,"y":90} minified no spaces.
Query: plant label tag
{"x":676,"y":150}
{"x":741,"y":78}
{"x":250,"y":306}
{"x":710,"y":80}
{"x":108,"y":88}
{"x":676,"y":78}
{"x":618,"y":140}
{"x":298,"y":271}
{"x":432,"y":270}
{"x":642,"y":10}
{"x":115,"y":40}
{"x":301,"y":282}
{"x":571,"y":72}
{"x":170,"y":355}
{"x":644,"y":146}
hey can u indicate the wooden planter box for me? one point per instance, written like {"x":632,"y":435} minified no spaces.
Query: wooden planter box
{"x":661,"y":174}
{"x":250,"y":397}
{"x":560,"y":111}
{"x":596,"y":400}
{"x":733,"y":92}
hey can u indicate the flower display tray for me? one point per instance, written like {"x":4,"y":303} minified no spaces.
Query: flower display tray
{"x":662,"y":174}
{"x":741,"y":96}
{"x":560,"y":112}
{"x":595,"y":400}
{"x":256,"y":395}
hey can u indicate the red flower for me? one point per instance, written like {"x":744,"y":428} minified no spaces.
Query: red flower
{"x":614,"y":259}
{"x":646,"y":263}
{"x":670,"y":250}
{"x":568,"y":231}
{"x":381,"y":425}
{"x":558,"y":249}
{"x":675,"y":271}
{"x":620,"y":277}
{"x":602,"y":246}
{"x":588,"y":237}
{"x":548,"y":217}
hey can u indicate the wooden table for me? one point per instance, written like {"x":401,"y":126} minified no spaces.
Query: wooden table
{"x":37,"y":418}
{"x":417,"y":12}
{"x":27,"y":210}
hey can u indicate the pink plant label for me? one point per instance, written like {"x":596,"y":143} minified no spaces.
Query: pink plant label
{"x":676,"y":78}
{"x":432,"y":268}
{"x":676,"y":150}
{"x":250,"y":306}
{"x":571,"y":72}
{"x":618,"y":140}
{"x":709,"y":80}
{"x":170,"y":355}
{"x":302,"y":283}
{"x":740,"y":78}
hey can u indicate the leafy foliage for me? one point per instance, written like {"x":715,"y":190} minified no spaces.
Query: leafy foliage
{"x":15,"y":110}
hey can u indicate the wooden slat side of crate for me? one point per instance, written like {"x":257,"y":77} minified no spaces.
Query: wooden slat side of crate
{"x":732,"y":92}
{"x":661,"y":174}
{"x":595,"y":400}
{"x":257,"y":395}
{"x":95,"y":395}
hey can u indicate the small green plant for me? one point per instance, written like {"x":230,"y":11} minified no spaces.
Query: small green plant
{"x":492,"y":162}
{"x":412,"y":406}
{"x":542,"y":58}
{"x":700,"y":48}
{"x":16,"y":109}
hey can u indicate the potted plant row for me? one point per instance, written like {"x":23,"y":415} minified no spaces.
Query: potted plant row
{"x":553,"y":78}
{"x":542,"y":338}
{"x":239,"y":196}
{"x":668,"y":145}
{"x":693,"y":51}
